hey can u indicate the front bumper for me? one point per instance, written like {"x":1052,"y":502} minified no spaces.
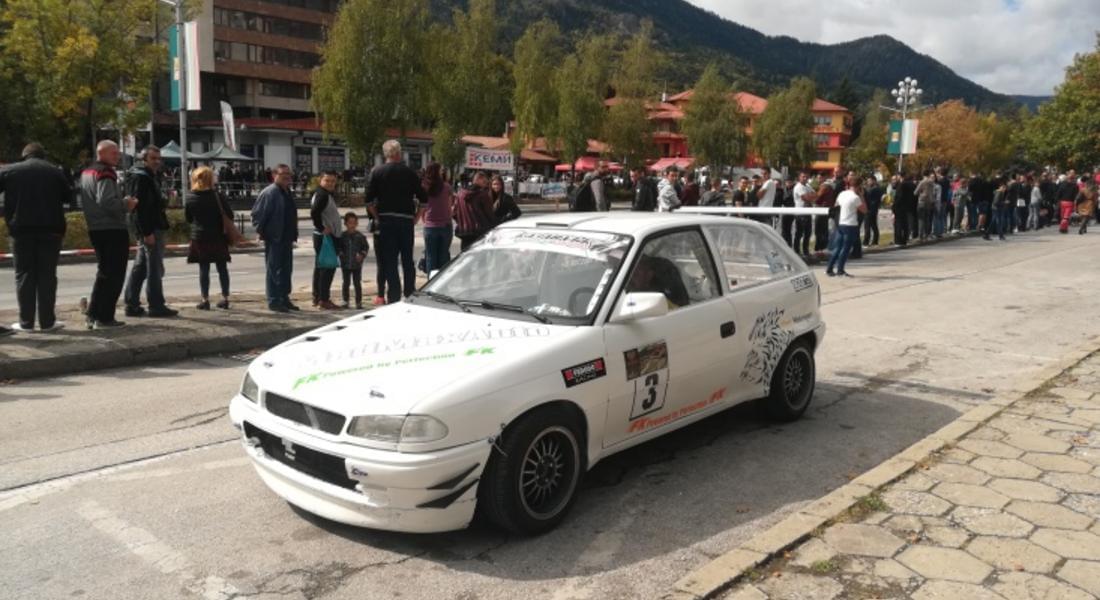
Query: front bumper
{"x":380,"y":489}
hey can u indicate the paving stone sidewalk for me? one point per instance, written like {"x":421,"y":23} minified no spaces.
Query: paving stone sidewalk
{"x":1009,"y":513}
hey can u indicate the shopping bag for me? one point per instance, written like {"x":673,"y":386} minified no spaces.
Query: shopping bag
{"x":326,"y":258}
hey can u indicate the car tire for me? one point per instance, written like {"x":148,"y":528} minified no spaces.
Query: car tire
{"x":793,"y":383}
{"x":535,"y":500}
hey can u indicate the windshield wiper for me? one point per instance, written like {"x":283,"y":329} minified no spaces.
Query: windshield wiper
{"x":445,"y":299}
{"x":509,"y":307}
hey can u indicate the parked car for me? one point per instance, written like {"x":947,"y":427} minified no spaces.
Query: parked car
{"x":554,"y":343}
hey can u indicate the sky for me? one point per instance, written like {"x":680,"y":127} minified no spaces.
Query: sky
{"x":1008,"y":46}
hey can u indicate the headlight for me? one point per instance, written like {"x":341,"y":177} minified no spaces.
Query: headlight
{"x":398,"y":429}
{"x":249,"y":389}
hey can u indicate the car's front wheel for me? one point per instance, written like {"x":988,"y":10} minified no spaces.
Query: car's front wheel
{"x":531,"y":479}
{"x":793,"y":383}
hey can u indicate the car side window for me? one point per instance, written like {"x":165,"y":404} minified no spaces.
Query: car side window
{"x":748,"y":256}
{"x":677,"y":265}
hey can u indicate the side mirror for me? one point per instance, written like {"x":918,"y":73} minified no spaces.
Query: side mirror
{"x":640,"y":305}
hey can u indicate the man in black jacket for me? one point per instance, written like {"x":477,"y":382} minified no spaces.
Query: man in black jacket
{"x":149,"y":223}
{"x":645,"y":191}
{"x":34,"y":192}
{"x":394,"y":196}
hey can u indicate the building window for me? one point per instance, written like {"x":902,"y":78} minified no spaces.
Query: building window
{"x":247,"y":21}
{"x":823,"y":121}
{"x":321,"y":5}
{"x":821,"y":156}
{"x":264,"y":54}
{"x":847,"y":122}
{"x":821,"y":139}
{"x":280,"y":89}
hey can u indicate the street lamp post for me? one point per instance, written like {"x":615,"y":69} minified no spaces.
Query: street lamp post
{"x":907,"y":95}
{"x":181,"y":57}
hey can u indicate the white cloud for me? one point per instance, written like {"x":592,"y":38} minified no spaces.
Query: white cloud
{"x":1009,"y":46}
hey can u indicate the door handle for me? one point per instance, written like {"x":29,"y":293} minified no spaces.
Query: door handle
{"x":728,"y":329}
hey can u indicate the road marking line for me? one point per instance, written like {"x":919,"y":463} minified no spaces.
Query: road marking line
{"x":209,"y":466}
{"x":160,"y":556}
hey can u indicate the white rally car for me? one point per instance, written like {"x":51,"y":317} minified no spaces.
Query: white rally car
{"x":554,"y":343}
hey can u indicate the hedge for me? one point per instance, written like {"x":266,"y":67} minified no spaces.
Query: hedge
{"x":76,"y":231}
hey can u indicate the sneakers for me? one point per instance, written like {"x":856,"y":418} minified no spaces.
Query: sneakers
{"x":844,"y":274}
{"x":830,"y":273}
{"x":23,"y":327}
{"x":326,"y":305}
{"x":279,"y":308}
{"x":379,"y":301}
{"x":224,"y":305}
{"x":57,"y":326}
{"x":135,"y":311}
{"x":94,"y":324}
{"x":204,"y":305}
{"x":163,"y":312}
{"x":291,"y":306}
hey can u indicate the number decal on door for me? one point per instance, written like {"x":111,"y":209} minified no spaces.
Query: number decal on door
{"x":649,"y":393}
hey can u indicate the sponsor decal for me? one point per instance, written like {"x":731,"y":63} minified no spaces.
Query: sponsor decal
{"x":584,"y":372}
{"x":802,"y":282}
{"x":769,"y":340}
{"x":357,"y":472}
{"x":385,"y":364}
{"x":647,"y":367}
{"x":399,"y":344}
{"x":646,"y":424}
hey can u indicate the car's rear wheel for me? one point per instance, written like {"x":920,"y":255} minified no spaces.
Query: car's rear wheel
{"x":793,"y":383}
{"x":531,"y":479}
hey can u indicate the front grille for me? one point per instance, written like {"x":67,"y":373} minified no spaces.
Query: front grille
{"x":318,"y":465}
{"x":310,"y":416}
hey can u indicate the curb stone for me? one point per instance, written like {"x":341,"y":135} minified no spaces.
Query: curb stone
{"x":722,"y":572}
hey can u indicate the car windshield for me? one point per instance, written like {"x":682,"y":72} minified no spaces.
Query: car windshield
{"x":555,"y":276}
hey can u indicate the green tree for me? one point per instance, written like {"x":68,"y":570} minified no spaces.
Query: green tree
{"x":372,"y":72}
{"x":845,"y":94}
{"x":468,"y":83}
{"x":868,"y":152}
{"x":627,"y":129}
{"x":714,"y":122}
{"x":783,"y":135}
{"x":534,"y":99}
{"x":582,"y":82}
{"x":1066,"y":131}
{"x":72,"y":68}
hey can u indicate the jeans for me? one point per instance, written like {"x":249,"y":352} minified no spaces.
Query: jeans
{"x":1033,"y":216}
{"x":1002,"y":220}
{"x":786,"y":226}
{"x":353,"y":276}
{"x":803,"y":226}
{"x":821,"y":233}
{"x":939,"y":219}
{"x":379,"y":274}
{"x":397,"y":244}
{"x":847,"y":236}
{"x":204,"y":279}
{"x":148,"y":269}
{"x":870,"y":228}
{"x":322,"y":278}
{"x":36,"y":277}
{"x":962,"y":206}
{"x":112,"y":252}
{"x":279,"y":259}
{"x":924,"y":220}
{"x":437,"y":247}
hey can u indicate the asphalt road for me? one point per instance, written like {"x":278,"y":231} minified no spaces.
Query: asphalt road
{"x":130,"y":484}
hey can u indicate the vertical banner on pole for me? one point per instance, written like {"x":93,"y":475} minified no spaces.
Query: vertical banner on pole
{"x":191,"y":50}
{"x":229,"y":128}
{"x":903,"y":137}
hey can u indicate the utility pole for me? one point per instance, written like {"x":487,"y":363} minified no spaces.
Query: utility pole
{"x":181,"y":58}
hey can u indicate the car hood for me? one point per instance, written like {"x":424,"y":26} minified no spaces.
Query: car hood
{"x":387,"y":360}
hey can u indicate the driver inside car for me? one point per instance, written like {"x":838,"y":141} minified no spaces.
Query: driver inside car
{"x":658,"y":274}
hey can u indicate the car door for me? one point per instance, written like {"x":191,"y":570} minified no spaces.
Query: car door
{"x":663,"y":369}
{"x":771,"y":291}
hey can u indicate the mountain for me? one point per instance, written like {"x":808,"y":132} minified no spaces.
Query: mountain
{"x":756,"y":62}
{"x":1032,"y":102}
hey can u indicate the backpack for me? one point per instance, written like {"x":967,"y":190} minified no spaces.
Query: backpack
{"x":581,"y":199}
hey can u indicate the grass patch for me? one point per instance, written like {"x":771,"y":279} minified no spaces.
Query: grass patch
{"x":872,"y":502}
{"x":824,"y":567}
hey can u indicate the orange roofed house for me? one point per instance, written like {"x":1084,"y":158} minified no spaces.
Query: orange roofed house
{"x":832,"y":128}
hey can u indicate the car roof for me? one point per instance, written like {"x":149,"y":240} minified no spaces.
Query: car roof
{"x":637,"y":224}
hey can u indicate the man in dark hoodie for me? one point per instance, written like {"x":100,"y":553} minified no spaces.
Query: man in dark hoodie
{"x":105,"y":211}
{"x":34,"y":194}
{"x":150,"y":224}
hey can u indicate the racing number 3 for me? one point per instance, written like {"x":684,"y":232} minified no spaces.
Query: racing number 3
{"x":651,"y":382}
{"x":649,"y":393}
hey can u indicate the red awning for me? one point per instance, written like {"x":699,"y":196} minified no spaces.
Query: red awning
{"x":586,"y":163}
{"x":664,"y":163}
